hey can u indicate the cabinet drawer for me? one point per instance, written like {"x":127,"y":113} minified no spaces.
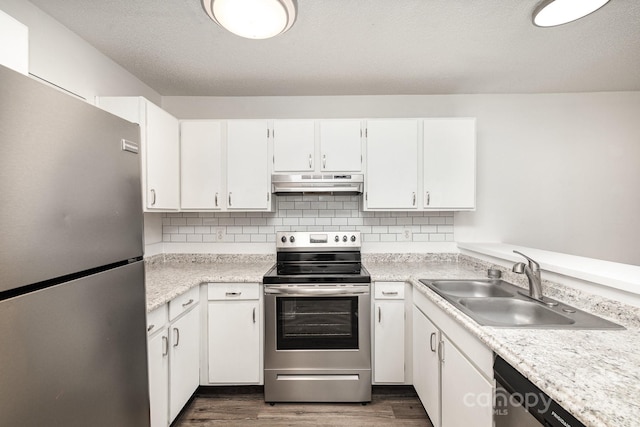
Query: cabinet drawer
{"x":184,"y":302}
{"x":157,"y":319}
{"x":233,"y":291}
{"x":389,"y":290}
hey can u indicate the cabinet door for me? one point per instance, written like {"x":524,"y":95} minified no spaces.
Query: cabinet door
{"x":234,"y":342}
{"x":158,"y":356}
{"x":340,"y":146}
{"x":389,"y":342}
{"x":162,"y":159}
{"x":392,"y":164}
{"x":184,"y":360}
{"x":467,"y":397}
{"x":426,"y":365}
{"x":248,"y":179}
{"x":293,"y":145}
{"x":200,"y":162}
{"x":449,"y":163}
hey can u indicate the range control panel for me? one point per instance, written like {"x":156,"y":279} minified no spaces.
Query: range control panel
{"x":333,"y":240}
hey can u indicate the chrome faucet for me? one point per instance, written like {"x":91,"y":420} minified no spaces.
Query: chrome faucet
{"x":532,"y":270}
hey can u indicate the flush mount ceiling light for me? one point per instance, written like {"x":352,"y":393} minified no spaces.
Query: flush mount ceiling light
{"x":253,"y":19}
{"x":550,"y":13}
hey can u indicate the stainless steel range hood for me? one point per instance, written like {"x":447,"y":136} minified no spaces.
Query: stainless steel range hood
{"x":345,"y":184}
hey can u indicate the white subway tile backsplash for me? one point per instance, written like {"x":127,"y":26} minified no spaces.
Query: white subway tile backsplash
{"x":307,"y":213}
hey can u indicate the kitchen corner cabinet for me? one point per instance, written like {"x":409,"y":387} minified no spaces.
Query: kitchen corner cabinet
{"x":234,"y":322}
{"x":449,"y":159}
{"x":392,"y":164}
{"x":389,"y":333}
{"x":160,"y":152}
{"x":452,"y":369}
{"x":248,"y":176}
{"x":200,"y":165}
{"x":173,"y":356}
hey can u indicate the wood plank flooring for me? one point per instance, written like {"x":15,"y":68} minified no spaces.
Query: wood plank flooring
{"x":245,"y":406}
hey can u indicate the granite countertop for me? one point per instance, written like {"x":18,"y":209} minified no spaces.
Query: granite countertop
{"x":593,"y":374}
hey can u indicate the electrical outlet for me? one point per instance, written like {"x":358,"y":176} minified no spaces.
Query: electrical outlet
{"x":407,"y":236}
{"x":220,"y":233}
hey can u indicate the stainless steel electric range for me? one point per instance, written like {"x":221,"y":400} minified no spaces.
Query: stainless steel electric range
{"x":317,"y":320}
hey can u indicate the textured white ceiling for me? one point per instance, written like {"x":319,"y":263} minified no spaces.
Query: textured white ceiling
{"x":365,"y":47}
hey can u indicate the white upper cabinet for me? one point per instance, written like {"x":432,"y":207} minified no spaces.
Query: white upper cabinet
{"x":248,"y":178}
{"x":293,"y":145}
{"x":200,"y":165}
{"x":159,"y":138}
{"x":340,"y":146}
{"x":392,"y":164}
{"x":449,"y":163}
{"x":14,"y":44}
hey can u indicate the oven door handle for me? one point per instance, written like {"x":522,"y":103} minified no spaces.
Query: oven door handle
{"x":285,"y":290}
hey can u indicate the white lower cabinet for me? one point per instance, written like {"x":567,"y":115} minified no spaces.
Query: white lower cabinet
{"x":388,"y":331}
{"x":173,"y":356}
{"x":452,"y":369}
{"x":426,"y":364}
{"x":234,"y":322}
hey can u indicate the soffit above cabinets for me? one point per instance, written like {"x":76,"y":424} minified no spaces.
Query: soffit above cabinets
{"x":365,"y":47}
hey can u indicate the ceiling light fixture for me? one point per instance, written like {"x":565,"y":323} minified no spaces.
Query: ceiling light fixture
{"x":550,"y":13}
{"x":253,"y":19}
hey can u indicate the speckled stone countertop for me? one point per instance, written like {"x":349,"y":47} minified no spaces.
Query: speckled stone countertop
{"x":168,"y":276}
{"x":595,"y":375}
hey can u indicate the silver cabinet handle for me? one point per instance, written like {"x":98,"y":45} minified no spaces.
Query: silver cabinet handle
{"x":379,"y":314}
{"x":216,"y":200}
{"x":177,"y":333}
{"x":268,"y":194}
{"x":150,"y":327}
{"x":414,"y":198}
{"x":233,"y":294}
{"x":153,"y":198}
{"x":324,"y":161}
{"x":187,"y":303}
{"x":390,"y":293}
{"x":254,"y":315}
{"x":310,"y":162}
{"x":428,"y":197}
{"x":229,"y":198}
{"x":165,"y":345}
{"x":432,"y":344}
{"x":441,"y":351}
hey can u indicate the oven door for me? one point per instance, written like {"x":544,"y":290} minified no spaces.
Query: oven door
{"x":317,"y":326}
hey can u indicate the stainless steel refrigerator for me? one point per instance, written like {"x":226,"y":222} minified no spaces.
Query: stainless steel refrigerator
{"x":72,"y":299}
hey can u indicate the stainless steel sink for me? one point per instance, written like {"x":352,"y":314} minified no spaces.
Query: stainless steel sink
{"x":472,"y":288}
{"x":498,"y":303}
{"x":513,"y":312}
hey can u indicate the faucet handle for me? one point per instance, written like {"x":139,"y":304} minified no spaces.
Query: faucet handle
{"x":532,"y":264}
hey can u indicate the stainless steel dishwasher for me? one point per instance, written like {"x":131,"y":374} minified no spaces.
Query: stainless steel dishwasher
{"x":519,"y":403}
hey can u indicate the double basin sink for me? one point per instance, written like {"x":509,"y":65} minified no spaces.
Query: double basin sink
{"x":493,"y":302}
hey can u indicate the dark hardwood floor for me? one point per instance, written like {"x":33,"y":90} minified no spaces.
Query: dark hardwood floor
{"x":245,"y":406}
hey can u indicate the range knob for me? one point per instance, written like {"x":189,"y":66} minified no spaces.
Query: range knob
{"x":344,"y":238}
{"x":337,"y":239}
{"x":283,"y":239}
{"x":353,"y":238}
{"x":292,"y":239}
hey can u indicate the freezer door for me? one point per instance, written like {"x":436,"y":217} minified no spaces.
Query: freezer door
{"x":71,"y":197}
{"x":75,"y":354}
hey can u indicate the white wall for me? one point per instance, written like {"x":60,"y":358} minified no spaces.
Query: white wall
{"x":60,"y":57}
{"x":559,"y":172}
